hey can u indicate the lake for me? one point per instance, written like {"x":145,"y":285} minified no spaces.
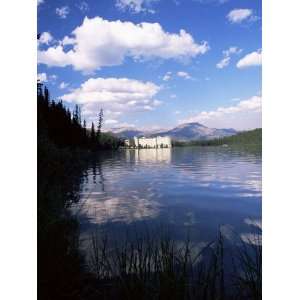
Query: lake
{"x":194,"y":190}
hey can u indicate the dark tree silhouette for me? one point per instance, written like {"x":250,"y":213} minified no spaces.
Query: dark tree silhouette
{"x":100,"y":122}
{"x":93,"y":135}
{"x":46,"y":94}
{"x":84,"y":129}
{"x":64,"y":128}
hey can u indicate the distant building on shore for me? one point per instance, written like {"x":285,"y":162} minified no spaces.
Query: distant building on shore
{"x":143,"y":142}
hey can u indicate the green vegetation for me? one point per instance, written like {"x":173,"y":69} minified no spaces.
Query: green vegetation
{"x":252,"y":137}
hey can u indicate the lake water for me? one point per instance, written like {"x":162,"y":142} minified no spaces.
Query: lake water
{"x":189,"y":189}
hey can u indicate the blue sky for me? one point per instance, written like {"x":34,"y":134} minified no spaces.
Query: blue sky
{"x":155,"y":63}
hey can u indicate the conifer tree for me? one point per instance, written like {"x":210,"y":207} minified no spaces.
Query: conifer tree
{"x":46,"y":94}
{"x":84,"y":133}
{"x":100,"y":121}
{"x":93,"y":132}
{"x":39,"y":89}
{"x":84,"y":128}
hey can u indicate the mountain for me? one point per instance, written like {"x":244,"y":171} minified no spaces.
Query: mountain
{"x":127,"y":132}
{"x":196,"y":131}
{"x":183,"y":132}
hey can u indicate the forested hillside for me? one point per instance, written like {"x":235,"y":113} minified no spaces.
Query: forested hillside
{"x":251,"y":137}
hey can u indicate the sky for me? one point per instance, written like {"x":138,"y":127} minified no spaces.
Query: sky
{"x":153,"y":64}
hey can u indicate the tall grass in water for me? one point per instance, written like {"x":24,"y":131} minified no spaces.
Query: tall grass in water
{"x":149,"y":267}
{"x":247,"y":276}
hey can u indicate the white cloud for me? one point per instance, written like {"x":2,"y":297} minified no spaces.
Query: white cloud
{"x":42,"y":77}
{"x":45,"y":38}
{"x":232,"y":50}
{"x":167,"y":76}
{"x":223,"y":63}
{"x":111,"y":122}
{"x":227,"y":57}
{"x":173,"y":96}
{"x":239,"y":15}
{"x":251,"y":59}
{"x":184,"y":75}
{"x":246,"y":114}
{"x":62,"y":12}
{"x":83,"y":6}
{"x":63,"y":85}
{"x":135,"y":6}
{"x":114,"y":95}
{"x":98,"y":43}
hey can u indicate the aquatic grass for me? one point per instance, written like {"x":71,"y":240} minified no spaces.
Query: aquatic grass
{"x":159,"y":267}
{"x":248,"y":268}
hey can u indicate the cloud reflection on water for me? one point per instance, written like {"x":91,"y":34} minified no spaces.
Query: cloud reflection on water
{"x":179,"y":185}
{"x":118,"y":209}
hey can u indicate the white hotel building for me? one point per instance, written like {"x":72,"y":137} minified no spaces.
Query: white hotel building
{"x":143,"y":142}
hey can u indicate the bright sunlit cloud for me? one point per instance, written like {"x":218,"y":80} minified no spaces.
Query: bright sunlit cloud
{"x":114,"y":95}
{"x":239,"y":15}
{"x":246,"y":114}
{"x":97,"y":43}
{"x":250,"y":60}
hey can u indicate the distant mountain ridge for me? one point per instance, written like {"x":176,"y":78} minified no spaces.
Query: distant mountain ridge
{"x":183,"y":132}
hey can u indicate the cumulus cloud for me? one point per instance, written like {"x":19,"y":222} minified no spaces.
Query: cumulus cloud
{"x":227,"y":57}
{"x":239,"y":15}
{"x":62,"y":12}
{"x":42,"y":77}
{"x":111,"y":122}
{"x":63,"y":85}
{"x":98,"y":43}
{"x":45,"y":38}
{"x":250,"y":60}
{"x":135,"y":6}
{"x":167,"y":76}
{"x":114,"y":95}
{"x":184,"y":75}
{"x":246,"y":114}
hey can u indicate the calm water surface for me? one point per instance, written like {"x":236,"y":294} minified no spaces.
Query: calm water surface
{"x":194,"y":189}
